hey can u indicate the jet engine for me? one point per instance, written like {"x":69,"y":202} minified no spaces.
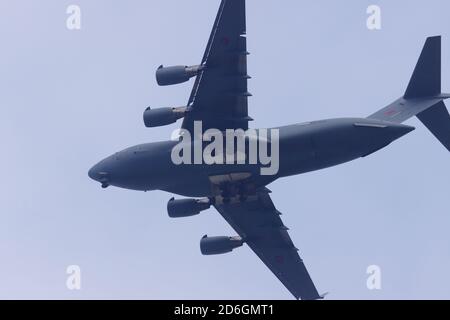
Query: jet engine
{"x":187,"y":207}
{"x":163,"y":116}
{"x":166,"y":76}
{"x":219,"y":245}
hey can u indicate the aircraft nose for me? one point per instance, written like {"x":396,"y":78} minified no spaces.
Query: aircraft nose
{"x":93,"y":173}
{"x":100,"y":173}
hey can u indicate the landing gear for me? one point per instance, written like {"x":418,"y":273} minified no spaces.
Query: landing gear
{"x":237,"y":192}
{"x":243,"y":198}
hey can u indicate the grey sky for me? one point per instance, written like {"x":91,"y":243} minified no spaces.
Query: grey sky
{"x":70,"y":98}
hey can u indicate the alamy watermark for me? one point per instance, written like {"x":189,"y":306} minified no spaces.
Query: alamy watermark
{"x":374,"y":280}
{"x":73,"y":21}
{"x":229,"y":147}
{"x":73,"y":281}
{"x":374,"y":19}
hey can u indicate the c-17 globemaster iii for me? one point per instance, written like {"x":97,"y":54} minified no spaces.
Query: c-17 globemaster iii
{"x":219,"y":103}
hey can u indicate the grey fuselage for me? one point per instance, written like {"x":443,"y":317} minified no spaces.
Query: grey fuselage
{"x":302,"y":148}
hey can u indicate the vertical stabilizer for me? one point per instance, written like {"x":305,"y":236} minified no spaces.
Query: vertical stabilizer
{"x":426,"y":79}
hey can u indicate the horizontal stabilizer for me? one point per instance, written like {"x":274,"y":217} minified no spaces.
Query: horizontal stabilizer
{"x":437,"y":120}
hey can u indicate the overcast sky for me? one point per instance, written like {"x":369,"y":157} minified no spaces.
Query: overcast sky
{"x":70,"y":98}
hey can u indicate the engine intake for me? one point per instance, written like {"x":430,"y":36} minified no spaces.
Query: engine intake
{"x":163,"y":116}
{"x":166,"y":76}
{"x":187,"y":207}
{"x":219,"y":245}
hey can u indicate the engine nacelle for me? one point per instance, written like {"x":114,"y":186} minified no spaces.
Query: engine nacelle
{"x":163,"y":116}
{"x":187,"y":207}
{"x":219,"y":245}
{"x":166,"y":76}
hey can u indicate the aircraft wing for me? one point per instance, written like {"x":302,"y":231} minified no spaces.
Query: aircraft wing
{"x":258,"y":223}
{"x":220,"y":100}
{"x":219,"y":96}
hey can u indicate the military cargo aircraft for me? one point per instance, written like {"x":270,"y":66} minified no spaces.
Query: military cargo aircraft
{"x":219,"y":100}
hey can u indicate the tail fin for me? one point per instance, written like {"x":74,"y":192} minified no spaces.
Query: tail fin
{"x":426,"y":79}
{"x":423,"y":97}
